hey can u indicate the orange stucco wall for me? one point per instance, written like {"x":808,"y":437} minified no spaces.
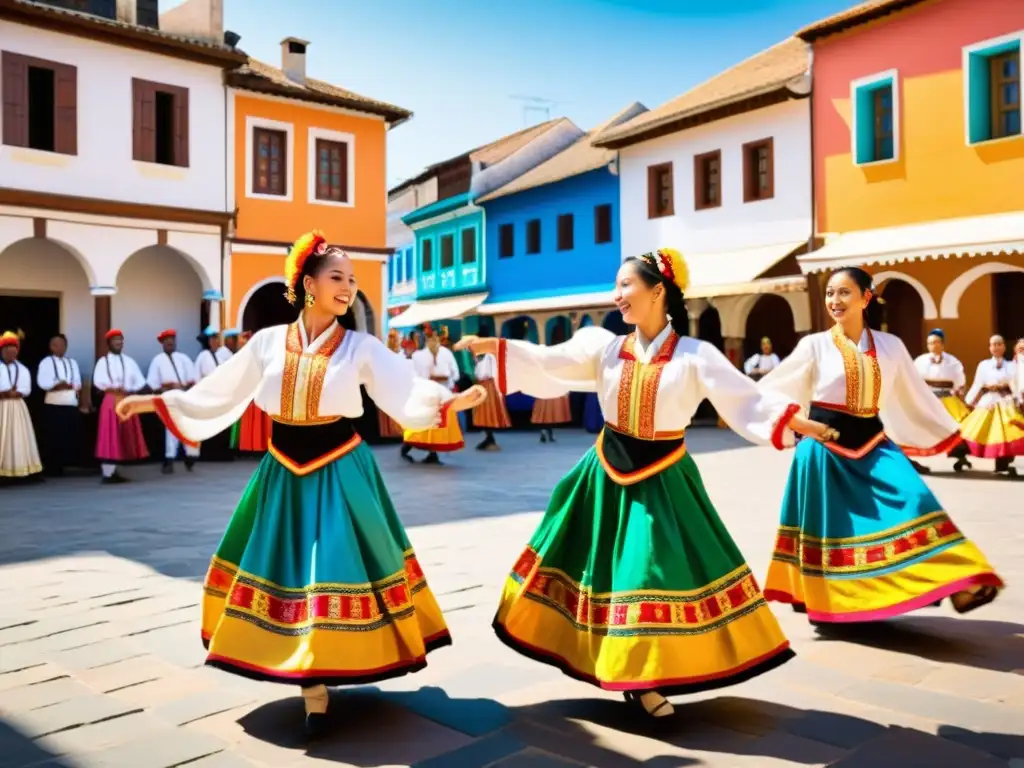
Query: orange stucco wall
{"x":362,"y":225}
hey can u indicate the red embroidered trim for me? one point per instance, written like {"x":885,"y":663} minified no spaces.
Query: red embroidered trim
{"x":502,"y":366}
{"x":781,"y":425}
{"x":945,"y":446}
{"x":445,"y":410}
{"x":165,"y":417}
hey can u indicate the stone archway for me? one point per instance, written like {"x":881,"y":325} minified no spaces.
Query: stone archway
{"x":557,"y":329}
{"x":949,"y":307}
{"x":522,"y":327}
{"x":710,"y":327}
{"x":265,"y":306}
{"x":770,"y":316}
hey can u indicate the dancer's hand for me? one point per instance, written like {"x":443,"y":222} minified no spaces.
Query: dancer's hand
{"x":813,"y":429}
{"x":477,"y":345}
{"x":134,"y":405}
{"x":471,"y":398}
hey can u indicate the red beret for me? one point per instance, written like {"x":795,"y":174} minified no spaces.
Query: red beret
{"x":112,"y":333}
{"x":166,"y":334}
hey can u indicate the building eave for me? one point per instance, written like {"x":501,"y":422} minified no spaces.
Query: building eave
{"x":847,"y":20}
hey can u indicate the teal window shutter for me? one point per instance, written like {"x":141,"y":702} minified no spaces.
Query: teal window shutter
{"x":979,"y":107}
{"x":865,"y":127}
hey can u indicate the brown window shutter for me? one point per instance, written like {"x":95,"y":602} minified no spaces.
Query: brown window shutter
{"x":143,"y":121}
{"x":181,"y":129}
{"x":343,"y":149}
{"x":15,"y":99}
{"x":66,"y":133}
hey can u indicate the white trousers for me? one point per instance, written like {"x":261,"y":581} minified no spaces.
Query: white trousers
{"x":171,"y":445}
{"x":108,"y":469}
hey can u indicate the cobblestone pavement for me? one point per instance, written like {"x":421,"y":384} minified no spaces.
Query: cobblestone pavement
{"x":101,"y":664}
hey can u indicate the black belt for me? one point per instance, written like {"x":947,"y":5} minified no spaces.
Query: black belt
{"x":304,"y":448}
{"x":628,"y":459}
{"x":854,"y":431}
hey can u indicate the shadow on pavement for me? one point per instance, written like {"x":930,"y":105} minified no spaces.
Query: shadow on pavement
{"x":17,"y":750}
{"x":993,"y":645}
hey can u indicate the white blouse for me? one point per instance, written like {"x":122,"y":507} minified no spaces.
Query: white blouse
{"x":942,"y":369}
{"x":428,"y":366}
{"x":649,"y":390}
{"x":15,"y":376}
{"x":989,"y":375}
{"x":207,"y":361}
{"x":826,"y":368}
{"x":173,"y":368}
{"x":486,"y":368}
{"x":117,"y":372}
{"x":55,"y":370}
{"x":301,"y":382}
{"x":761,"y":362}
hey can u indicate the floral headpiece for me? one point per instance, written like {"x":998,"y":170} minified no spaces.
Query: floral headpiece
{"x":308,"y":244}
{"x":671,"y":265}
{"x":11,"y":339}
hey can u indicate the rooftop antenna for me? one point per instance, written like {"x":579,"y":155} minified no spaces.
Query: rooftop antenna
{"x":534,"y":106}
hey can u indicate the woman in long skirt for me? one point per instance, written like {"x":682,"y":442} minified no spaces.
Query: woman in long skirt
{"x":19,"y":452}
{"x":315,"y":582}
{"x":492,"y":415}
{"x":994,"y":429}
{"x":862,"y":537}
{"x":631,"y":582}
{"x":550,"y":412}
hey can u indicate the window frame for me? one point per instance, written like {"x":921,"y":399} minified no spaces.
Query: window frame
{"x":338,"y":137}
{"x":986,"y":50}
{"x":140,"y":88}
{"x":751,"y":191}
{"x":870,"y":84}
{"x":530,"y":224}
{"x":561,"y":229}
{"x":14,"y":116}
{"x":511,"y":242}
{"x":598,"y":209}
{"x":426,"y":249}
{"x":251,"y":124}
{"x":442,"y":238}
{"x":653,"y":171}
{"x":700,"y":162}
{"x":463,"y":231}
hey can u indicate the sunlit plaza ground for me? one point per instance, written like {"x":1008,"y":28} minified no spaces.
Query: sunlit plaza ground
{"x":101,"y":662}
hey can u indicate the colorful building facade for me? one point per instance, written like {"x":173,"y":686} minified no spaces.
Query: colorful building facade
{"x":304,"y":154}
{"x":919,"y":162}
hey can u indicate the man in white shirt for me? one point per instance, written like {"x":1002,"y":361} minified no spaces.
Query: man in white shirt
{"x":762,"y":363}
{"x":945,"y":376}
{"x":60,"y":378}
{"x":231,"y":339}
{"x":172,"y":370}
{"x":218,"y":447}
{"x":437,"y":363}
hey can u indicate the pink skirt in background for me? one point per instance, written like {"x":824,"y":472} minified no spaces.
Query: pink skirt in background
{"x":117,"y":441}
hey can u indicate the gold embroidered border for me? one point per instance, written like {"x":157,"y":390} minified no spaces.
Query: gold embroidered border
{"x":315,"y":374}
{"x":862,"y":372}
{"x":638,"y":387}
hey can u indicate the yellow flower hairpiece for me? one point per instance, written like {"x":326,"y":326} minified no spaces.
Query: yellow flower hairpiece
{"x":672,"y":266}
{"x":307,"y":244}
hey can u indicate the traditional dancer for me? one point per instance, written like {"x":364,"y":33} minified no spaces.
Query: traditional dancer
{"x":60,"y":378}
{"x":435,"y":363}
{"x":944,"y":374}
{"x":492,"y":414}
{"x":631,"y":582}
{"x":19,"y":453}
{"x":760,"y":364}
{"x":388,"y":427}
{"x":213,"y":354}
{"x":548,"y":412}
{"x":118,"y":442}
{"x":315,"y":582}
{"x":861,"y":536}
{"x":170,"y":371}
{"x":995,"y":427}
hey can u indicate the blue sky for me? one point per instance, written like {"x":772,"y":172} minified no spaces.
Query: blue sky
{"x":455,"y":63}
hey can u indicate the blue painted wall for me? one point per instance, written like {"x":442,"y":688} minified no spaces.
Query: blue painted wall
{"x":461,"y":276}
{"x":401,"y":268}
{"x":587,"y":267}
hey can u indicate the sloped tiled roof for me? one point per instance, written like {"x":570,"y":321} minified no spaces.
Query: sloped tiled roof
{"x":580,"y":157}
{"x":852,"y":17}
{"x":120,"y":33}
{"x":778,"y":68}
{"x":258,"y":76}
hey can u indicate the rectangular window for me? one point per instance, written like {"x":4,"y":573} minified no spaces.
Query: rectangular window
{"x":707,"y":180}
{"x":533,"y":236}
{"x":660,"y":192}
{"x":468,"y":245}
{"x":332,"y":171}
{"x":758,"y":170}
{"x":992,"y":72}
{"x":447,"y":251}
{"x":40,"y":104}
{"x":409,"y":256}
{"x":428,"y":255}
{"x":160,"y":123}
{"x":565,"y":232}
{"x":269,"y":162}
{"x":506,"y":241}
{"x":603,"y":223}
{"x":875,"y":119}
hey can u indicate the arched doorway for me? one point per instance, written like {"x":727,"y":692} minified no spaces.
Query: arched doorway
{"x":1007,"y":295}
{"x":770,"y":316}
{"x":710,"y":327}
{"x":558,"y":329}
{"x":267,"y":306}
{"x":522,"y":327}
{"x":366,"y":321}
{"x":613,"y":322}
{"x":900,"y":311}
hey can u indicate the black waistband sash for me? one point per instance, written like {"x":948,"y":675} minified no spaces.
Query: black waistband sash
{"x":858,"y":435}
{"x":628,"y":459}
{"x":305,"y":448}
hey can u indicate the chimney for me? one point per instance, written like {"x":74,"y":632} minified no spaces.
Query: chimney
{"x":126,"y":11}
{"x":293,"y":59}
{"x":202,"y":19}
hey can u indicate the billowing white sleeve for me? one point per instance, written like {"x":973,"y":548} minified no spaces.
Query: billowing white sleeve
{"x":24,"y":380}
{"x":392,"y":383}
{"x":975,"y":391}
{"x":550,"y":372}
{"x":215,"y":403}
{"x":758,"y":415}
{"x":914,"y":418}
{"x":793,"y":379}
{"x":45,"y":378}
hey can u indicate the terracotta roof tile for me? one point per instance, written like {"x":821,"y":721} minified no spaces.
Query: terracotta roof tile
{"x":259,"y":76}
{"x":764,"y":72}
{"x":580,"y":157}
{"x":851,"y":17}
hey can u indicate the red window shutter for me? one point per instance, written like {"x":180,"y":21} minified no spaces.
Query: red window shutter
{"x":181,"y":130}
{"x":15,"y":99}
{"x":66,"y":113}
{"x":143,"y":121}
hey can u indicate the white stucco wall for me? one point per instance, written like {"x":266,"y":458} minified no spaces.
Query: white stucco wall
{"x":103,"y":167}
{"x":734,"y":224}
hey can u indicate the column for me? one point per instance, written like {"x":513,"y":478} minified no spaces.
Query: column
{"x":694,"y":309}
{"x":820,"y":319}
{"x":734,"y":350}
{"x":212,"y":301}
{"x":102,"y":303}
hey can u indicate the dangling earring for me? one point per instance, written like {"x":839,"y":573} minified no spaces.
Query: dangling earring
{"x":310,"y":300}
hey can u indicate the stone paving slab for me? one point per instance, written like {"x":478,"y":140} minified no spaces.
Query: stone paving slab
{"x":101,"y":665}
